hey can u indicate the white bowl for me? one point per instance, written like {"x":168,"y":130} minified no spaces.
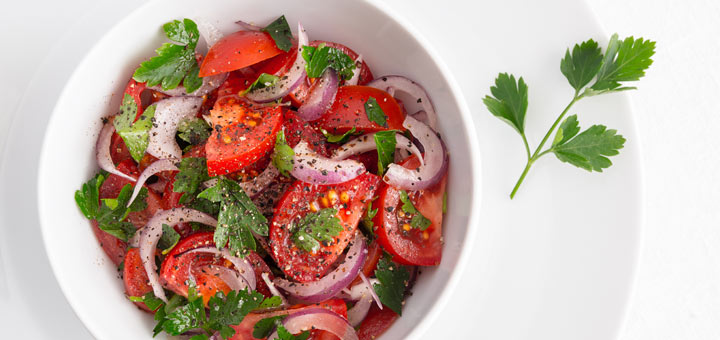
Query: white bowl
{"x":90,"y":282}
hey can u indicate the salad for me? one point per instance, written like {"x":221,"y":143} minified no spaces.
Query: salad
{"x":261,"y":185}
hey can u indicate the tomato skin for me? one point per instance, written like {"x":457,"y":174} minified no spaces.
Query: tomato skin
{"x":238,"y":50}
{"x":348,"y":111}
{"x":373,"y":257}
{"x":113,"y":247}
{"x":297,"y":129}
{"x":135,"y":278}
{"x":376,"y":323}
{"x":413,"y":247}
{"x":249,"y":137}
{"x":302,"y":266}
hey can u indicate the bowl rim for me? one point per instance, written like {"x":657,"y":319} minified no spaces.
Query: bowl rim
{"x":471,"y":139}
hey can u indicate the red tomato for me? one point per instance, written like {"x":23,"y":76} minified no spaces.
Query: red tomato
{"x":297,"y":129}
{"x":349,"y":198}
{"x":111,"y":245}
{"x":113,"y":184}
{"x":235,"y":83}
{"x":244,"y":330}
{"x":118,"y":150}
{"x":376,"y":323}
{"x":242,"y":135}
{"x":135,"y":278}
{"x":279,"y":64}
{"x":135,"y":90}
{"x":238,"y":50}
{"x":348,"y":111}
{"x":175,"y":269}
{"x":171,"y":199}
{"x":410,"y":245}
{"x":373,"y":257}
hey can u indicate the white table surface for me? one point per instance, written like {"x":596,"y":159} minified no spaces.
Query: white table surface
{"x":677,"y":293}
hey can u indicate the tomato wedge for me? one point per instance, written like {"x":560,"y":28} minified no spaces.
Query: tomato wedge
{"x":410,"y":245}
{"x":135,"y":277}
{"x":348,"y":111}
{"x":350,"y":199}
{"x":297,"y":129}
{"x":242,"y":135}
{"x":238,"y":50}
{"x":373,"y":257}
{"x":376,"y":323}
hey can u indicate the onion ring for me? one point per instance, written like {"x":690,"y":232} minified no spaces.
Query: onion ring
{"x":367,"y":143}
{"x":318,"y":318}
{"x":102,"y":151}
{"x":310,"y":167}
{"x":168,"y":114}
{"x":321,"y":97}
{"x":403,"y":84}
{"x":157,"y":166}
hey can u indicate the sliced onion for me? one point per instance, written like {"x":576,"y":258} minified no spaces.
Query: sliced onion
{"x":289,"y":81}
{"x":310,"y":167}
{"x":321,"y":97}
{"x":157,"y":166}
{"x":102,"y":151}
{"x":151,"y":233}
{"x":242,"y":266}
{"x":234,"y":280}
{"x":403,"y":84}
{"x":333,"y":282}
{"x":274,"y":291}
{"x":168,"y":114}
{"x":209,"y":32}
{"x":436,"y":160}
{"x":367,"y":143}
{"x":248,"y":26}
{"x":371,"y":290}
{"x":357,"y":313}
{"x":356,"y":72}
{"x":421,"y":116}
{"x":256,"y":185}
{"x":318,"y":318}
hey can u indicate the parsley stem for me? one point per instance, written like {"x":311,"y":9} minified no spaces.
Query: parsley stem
{"x":527,"y":147}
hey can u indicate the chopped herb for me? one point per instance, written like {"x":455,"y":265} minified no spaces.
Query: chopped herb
{"x":148,"y":299}
{"x":271,"y":302}
{"x":136,"y":135}
{"x":338,"y":138}
{"x":264,"y":327}
{"x":317,"y":227}
{"x":375,"y":113}
{"x":194,"y":130}
{"x":320,"y":58}
{"x":263,"y":80}
{"x":369,"y":215}
{"x":279,"y":30}
{"x":283,"y":334}
{"x":169,"y":238}
{"x":393,"y":281}
{"x":283,"y":156}
{"x":385,"y":142}
{"x":193,"y":172}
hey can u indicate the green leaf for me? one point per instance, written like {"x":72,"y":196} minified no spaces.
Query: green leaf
{"x":231,"y":310}
{"x":338,"y":138}
{"x":320,"y":58}
{"x":199,"y":337}
{"x":581,"y":67}
{"x":238,"y":217}
{"x":264,"y":327}
{"x":169,"y":238}
{"x":375,"y":113}
{"x":283,"y":156}
{"x":173,"y":62}
{"x":271,"y":302}
{"x":315,"y":228}
{"x":393,"y":281}
{"x":193,"y":172}
{"x":567,"y":130}
{"x":417,"y":220}
{"x":385,"y":142}
{"x":280,"y":31}
{"x":112,"y":212}
{"x":444,"y":206}
{"x":509,"y":101}
{"x":589,"y":149}
{"x":368,"y":217}
{"x":148,"y":299}
{"x":194,"y":130}
{"x":192,"y":80}
{"x":185,"y":318}
{"x":87,"y":198}
{"x":263,"y":80}
{"x":624,"y":60}
{"x":136,"y":135}
{"x":283,"y":334}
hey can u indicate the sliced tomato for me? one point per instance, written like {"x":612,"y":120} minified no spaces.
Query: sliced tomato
{"x":279,"y":64}
{"x":297,"y":129}
{"x":350,"y":199}
{"x":244,"y":330}
{"x":171,"y":199}
{"x":175,"y":269}
{"x":408,"y":245}
{"x":242,"y":135}
{"x":135,"y":278}
{"x":118,"y":150}
{"x":376,"y":323}
{"x":236,"y":82}
{"x":238,"y":50}
{"x":373,"y":257}
{"x":111,"y":245}
{"x":348,"y":111}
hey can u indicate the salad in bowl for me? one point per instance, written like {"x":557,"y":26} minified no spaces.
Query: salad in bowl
{"x":264,"y":185}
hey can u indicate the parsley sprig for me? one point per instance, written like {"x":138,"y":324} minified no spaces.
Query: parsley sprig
{"x":624,"y":60}
{"x":315,"y":228}
{"x":320,"y":58}
{"x":393,"y":279}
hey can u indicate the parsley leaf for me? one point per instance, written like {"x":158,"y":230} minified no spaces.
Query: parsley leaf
{"x":320,"y":58}
{"x":231,"y":310}
{"x":169,"y":238}
{"x":375,"y":113}
{"x":185,"y":317}
{"x":174,"y":62}
{"x":317,"y":227}
{"x":194,"y":130}
{"x":110,"y":213}
{"x":87,"y":198}
{"x":193,"y":172}
{"x":509,"y":101}
{"x":588,"y":149}
{"x":271,"y":302}
{"x":283,"y":334}
{"x":581,"y":67}
{"x":417,"y":220}
{"x":148,"y":299}
{"x":264,"y":327}
{"x":136,"y":135}
{"x":385,"y":142}
{"x":568,"y":129}
{"x":393,"y":280}
{"x":238,"y":217}
{"x":369,"y":215}
{"x":624,"y":60}
{"x":263,"y":80}
{"x":283,"y":156}
{"x":338,"y":138}
{"x":279,"y":30}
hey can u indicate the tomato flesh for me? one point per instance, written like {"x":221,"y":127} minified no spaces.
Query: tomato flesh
{"x":238,"y":50}
{"x":299,"y":201}
{"x":242,"y":135}
{"x":297,"y":129}
{"x":348,"y":111}
{"x":411,"y":245}
{"x":376,"y":323}
{"x":135,"y":277}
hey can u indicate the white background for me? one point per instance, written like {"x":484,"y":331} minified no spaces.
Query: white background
{"x":677,"y":293}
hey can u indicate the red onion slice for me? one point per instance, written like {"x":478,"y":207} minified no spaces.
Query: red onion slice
{"x":256,"y":185}
{"x":151,"y":233}
{"x":357,"y":313}
{"x":371,"y":290}
{"x":168,"y":114}
{"x":242,"y":266}
{"x":273,"y":290}
{"x":157,"y":166}
{"x":436,"y":160}
{"x":248,"y":26}
{"x":321,"y":97}
{"x":318,"y":318}
{"x":310,"y":167}
{"x":102,"y":151}
{"x":289,"y":81}
{"x":356,"y":72}
{"x":403,"y":84}
{"x":334,"y":281}
{"x":367,"y":143}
